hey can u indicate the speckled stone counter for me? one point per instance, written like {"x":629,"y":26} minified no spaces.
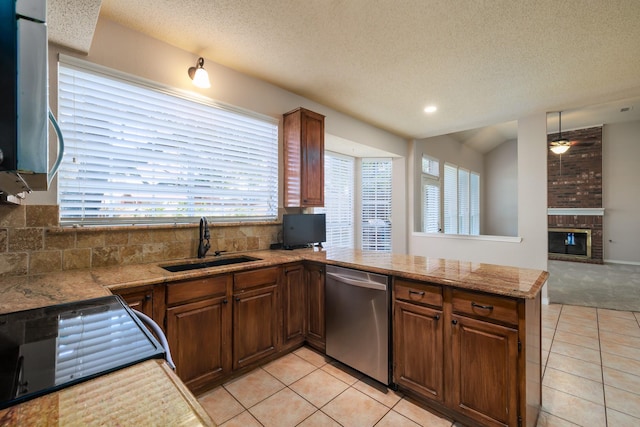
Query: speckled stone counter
{"x":24,"y":292}
{"x":146,"y":394}
{"x":151,"y":394}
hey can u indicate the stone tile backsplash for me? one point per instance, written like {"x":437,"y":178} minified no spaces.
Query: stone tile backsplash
{"x":32,"y":241}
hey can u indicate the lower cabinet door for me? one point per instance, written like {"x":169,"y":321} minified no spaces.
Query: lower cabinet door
{"x":315,"y":327}
{"x":255,"y":325}
{"x":199,"y":336}
{"x":418,"y":349}
{"x":484,"y":364}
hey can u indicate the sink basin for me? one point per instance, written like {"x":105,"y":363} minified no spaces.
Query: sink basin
{"x":206,"y":264}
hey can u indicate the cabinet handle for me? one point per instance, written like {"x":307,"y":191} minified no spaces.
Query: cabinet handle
{"x":421,"y":293}
{"x":485,"y":307}
{"x":454,"y":322}
{"x":224,"y":301}
{"x":147,"y":297}
{"x":437,"y":317}
{"x":237,"y":298}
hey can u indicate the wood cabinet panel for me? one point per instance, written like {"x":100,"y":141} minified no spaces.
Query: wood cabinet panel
{"x":418,"y":347}
{"x":199,"y":336}
{"x":315,"y":319}
{"x":417,"y":292}
{"x":140,"y":299}
{"x":255,"y":278}
{"x":293,"y":305}
{"x":303,"y":158}
{"x":189,"y":290}
{"x":489,"y":307}
{"x":255,"y":321}
{"x":484,"y":371}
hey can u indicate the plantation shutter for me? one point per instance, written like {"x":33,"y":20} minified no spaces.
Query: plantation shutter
{"x":140,"y":153}
{"x":338,"y":199}
{"x":475,"y":204}
{"x":450,"y":199}
{"x":376,"y":204}
{"x":463,"y":201}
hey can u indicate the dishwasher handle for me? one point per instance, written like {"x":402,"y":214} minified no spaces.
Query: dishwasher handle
{"x":359,"y":283}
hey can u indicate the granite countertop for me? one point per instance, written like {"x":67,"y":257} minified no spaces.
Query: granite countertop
{"x":146,"y":394}
{"x":131,"y":395}
{"x":24,"y":292}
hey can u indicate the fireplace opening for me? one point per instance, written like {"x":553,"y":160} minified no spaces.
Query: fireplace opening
{"x":570,"y":242}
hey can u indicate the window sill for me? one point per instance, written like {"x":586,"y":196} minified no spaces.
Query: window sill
{"x":506,"y":239}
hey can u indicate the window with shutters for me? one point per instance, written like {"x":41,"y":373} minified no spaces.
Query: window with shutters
{"x":430,"y":195}
{"x":139,"y":152}
{"x":338,"y":199}
{"x":461,"y":200}
{"x":376,"y":204}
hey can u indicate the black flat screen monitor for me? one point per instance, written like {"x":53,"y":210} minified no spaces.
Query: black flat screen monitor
{"x":301,"y":230}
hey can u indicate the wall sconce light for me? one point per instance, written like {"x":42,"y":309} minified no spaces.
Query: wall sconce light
{"x":199,"y":75}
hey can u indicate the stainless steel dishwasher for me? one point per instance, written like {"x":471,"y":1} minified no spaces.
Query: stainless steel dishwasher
{"x":357,"y":320}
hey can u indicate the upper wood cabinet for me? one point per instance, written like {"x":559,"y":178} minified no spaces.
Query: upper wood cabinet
{"x":303,"y":159}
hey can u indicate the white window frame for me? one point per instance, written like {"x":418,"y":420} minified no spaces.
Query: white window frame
{"x":189,"y":156}
{"x":430,"y":180}
{"x":461,"y":200}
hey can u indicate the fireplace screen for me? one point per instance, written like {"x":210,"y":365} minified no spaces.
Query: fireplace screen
{"x":573,"y":242}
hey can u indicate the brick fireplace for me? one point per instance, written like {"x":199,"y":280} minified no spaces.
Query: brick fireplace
{"x":574,"y":192}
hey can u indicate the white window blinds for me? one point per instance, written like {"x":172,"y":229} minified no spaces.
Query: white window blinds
{"x":463,"y":201}
{"x":338,"y":199}
{"x":430,"y":205}
{"x":136,"y":154}
{"x":450,"y":199}
{"x":376,"y":204}
{"x":474,"y":214}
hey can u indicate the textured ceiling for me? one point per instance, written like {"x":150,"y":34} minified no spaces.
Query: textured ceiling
{"x":481,"y":62}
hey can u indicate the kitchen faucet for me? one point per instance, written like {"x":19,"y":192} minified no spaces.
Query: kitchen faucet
{"x":204,"y":235}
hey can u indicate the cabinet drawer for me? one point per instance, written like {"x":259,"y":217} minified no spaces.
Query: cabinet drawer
{"x":196,"y":289}
{"x":250,"y":279}
{"x":486,"y":306}
{"x":417,"y":292}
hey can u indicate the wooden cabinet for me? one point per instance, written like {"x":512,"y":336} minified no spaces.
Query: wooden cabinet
{"x":303,"y":158}
{"x":418,"y":346}
{"x":472,"y":355}
{"x":314,"y":283}
{"x":293,"y":306}
{"x":484,"y":371}
{"x":255,"y":315}
{"x":198,"y":328}
{"x":140,"y":299}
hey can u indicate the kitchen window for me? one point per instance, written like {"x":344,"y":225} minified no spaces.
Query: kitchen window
{"x":138,"y":152}
{"x":430,"y":195}
{"x":338,"y":199}
{"x":376,"y":204}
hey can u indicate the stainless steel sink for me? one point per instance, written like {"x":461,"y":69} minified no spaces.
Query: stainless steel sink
{"x":207,"y":264}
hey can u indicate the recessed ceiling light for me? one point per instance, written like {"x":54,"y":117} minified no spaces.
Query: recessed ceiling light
{"x":430,"y":109}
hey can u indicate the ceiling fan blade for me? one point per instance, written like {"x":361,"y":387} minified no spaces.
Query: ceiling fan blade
{"x":583,"y":142}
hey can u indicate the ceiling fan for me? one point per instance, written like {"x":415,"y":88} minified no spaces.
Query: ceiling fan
{"x":560,"y":145}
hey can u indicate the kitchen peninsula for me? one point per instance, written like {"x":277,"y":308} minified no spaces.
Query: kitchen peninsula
{"x":480,"y":323}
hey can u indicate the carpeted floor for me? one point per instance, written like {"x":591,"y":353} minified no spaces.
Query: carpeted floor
{"x":612,"y":286}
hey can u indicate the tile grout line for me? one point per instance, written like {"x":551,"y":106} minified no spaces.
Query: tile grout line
{"x":604,"y":393}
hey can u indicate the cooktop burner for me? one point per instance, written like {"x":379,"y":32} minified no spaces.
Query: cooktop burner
{"x":45,"y":349}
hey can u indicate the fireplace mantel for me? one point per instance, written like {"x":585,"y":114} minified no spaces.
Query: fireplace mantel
{"x":576,"y":211}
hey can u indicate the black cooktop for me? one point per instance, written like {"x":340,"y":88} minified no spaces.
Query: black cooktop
{"x":45,"y":349}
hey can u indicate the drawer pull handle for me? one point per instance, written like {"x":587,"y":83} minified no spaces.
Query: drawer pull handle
{"x":420,"y":293}
{"x":484,"y":307}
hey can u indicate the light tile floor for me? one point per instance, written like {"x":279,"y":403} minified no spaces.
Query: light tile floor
{"x":591,"y":378}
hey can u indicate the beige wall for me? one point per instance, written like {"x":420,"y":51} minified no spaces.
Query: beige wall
{"x":620,"y":193}
{"x":529,"y":249}
{"x":125,"y":50}
{"x":500,"y":189}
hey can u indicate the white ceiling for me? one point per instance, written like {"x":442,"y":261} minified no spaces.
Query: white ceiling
{"x":480,"y":62}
